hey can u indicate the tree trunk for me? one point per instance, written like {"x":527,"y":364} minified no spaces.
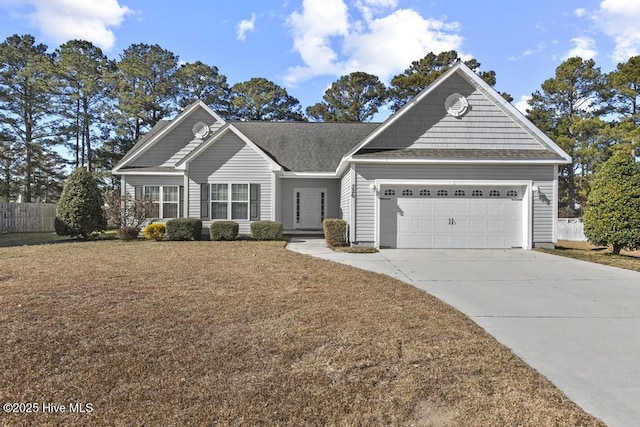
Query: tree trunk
{"x":28,"y":135}
{"x":87,"y":135}
{"x":77,"y":134}
{"x":616,"y":248}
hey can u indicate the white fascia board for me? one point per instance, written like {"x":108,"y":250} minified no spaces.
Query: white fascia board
{"x":466,"y":71}
{"x":179,"y":119}
{"x":517,"y":114}
{"x":289,"y":174}
{"x":183,"y":164}
{"x":396,"y":116}
{"x":149,"y":173}
{"x":459,"y":161}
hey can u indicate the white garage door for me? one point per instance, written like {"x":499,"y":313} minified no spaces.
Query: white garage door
{"x":450,"y":217}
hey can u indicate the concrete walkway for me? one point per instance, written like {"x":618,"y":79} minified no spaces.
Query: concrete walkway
{"x":576,"y":323}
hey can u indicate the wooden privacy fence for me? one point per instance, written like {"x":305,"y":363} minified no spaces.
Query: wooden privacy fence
{"x":571,"y":229}
{"x":26,"y":217}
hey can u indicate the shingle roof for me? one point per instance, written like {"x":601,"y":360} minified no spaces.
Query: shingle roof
{"x":303,"y":146}
{"x":458,"y":154}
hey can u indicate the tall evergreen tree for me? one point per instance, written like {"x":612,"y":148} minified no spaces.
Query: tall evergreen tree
{"x":425,"y":71}
{"x":565,"y":109}
{"x":10,"y":169}
{"x":355,"y":97}
{"x":261,"y":99}
{"x":83,"y":71}
{"x":145,"y":87}
{"x":199,"y":81}
{"x":26,"y":110}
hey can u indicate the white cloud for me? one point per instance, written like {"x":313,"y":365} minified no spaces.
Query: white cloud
{"x":380,"y":43}
{"x":64,"y":20}
{"x":391,"y":43}
{"x":539,"y":48}
{"x":580,"y":12}
{"x":619,"y":19}
{"x":584,"y":47}
{"x":246,"y":26}
{"x":523,"y":104}
{"x":369,"y":8}
{"x":313,"y":31}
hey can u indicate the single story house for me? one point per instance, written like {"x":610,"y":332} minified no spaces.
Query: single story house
{"x":457,"y":167}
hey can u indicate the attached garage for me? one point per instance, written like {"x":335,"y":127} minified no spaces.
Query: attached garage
{"x":439,"y":216}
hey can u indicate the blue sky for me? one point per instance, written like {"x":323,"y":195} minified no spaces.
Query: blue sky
{"x":304,"y":45}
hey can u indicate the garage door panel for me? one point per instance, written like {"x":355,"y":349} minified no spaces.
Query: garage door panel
{"x":460,"y":208}
{"x":447,"y":222}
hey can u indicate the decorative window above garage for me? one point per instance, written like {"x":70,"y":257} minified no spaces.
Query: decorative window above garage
{"x":494,"y":193}
{"x":459,"y":193}
{"x":442,"y":193}
{"x":389,"y":192}
{"x":512,"y":193}
{"x":476,"y":193}
{"x":407,"y":192}
{"x":425,"y":193}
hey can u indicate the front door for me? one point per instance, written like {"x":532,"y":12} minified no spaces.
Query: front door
{"x":309,"y":208}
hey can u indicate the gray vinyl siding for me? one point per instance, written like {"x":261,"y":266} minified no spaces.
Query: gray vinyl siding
{"x":542,"y":175}
{"x":230,"y":160}
{"x":332,"y":199}
{"x":486,"y":125}
{"x":176,"y":144}
{"x":345,"y":196}
{"x":543,"y":214}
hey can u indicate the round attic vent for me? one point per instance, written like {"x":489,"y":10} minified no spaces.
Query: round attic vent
{"x":456,"y":104}
{"x":200,"y":130}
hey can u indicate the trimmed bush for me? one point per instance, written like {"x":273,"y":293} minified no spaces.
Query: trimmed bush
{"x":266,"y":230}
{"x":224,"y":230}
{"x":128,"y":233}
{"x":612,"y":215}
{"x":154,"y":231}
{"x":335,"y":232}
{"x":79,"y":212}
{"x":184,"y":229}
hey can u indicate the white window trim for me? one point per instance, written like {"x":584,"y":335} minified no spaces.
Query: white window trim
{"x":161,"y":201}
{"x":229,"y":201}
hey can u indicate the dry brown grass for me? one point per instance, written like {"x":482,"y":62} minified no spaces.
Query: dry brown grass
{"x":247,"y":333}
{"x":585,"y":251}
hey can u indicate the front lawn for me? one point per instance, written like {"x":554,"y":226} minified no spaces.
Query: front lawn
{"x":585,"y":251}
{"x":247,"y":333}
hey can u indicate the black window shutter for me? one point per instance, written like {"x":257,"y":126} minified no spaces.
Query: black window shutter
{"x":204,"y":201}
{"x":138,"y":192}
{"x":181,"y":202}
{"x":255,"y":202}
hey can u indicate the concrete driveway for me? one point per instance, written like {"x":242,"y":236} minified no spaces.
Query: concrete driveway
{"x":576,"y":323}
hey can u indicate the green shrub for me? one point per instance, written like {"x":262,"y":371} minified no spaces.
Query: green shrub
{"x":184,"y":229}
{"x":154,"y":231}
{"x":612,"y":215}
{"x":335,"y":232}
{"x":266,"y":230}
{"x":128,"y":233}
{"x":79,"y":212}
{"x":224,"y":230}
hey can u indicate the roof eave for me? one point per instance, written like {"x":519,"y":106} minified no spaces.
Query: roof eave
{"x":459,"y":161}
